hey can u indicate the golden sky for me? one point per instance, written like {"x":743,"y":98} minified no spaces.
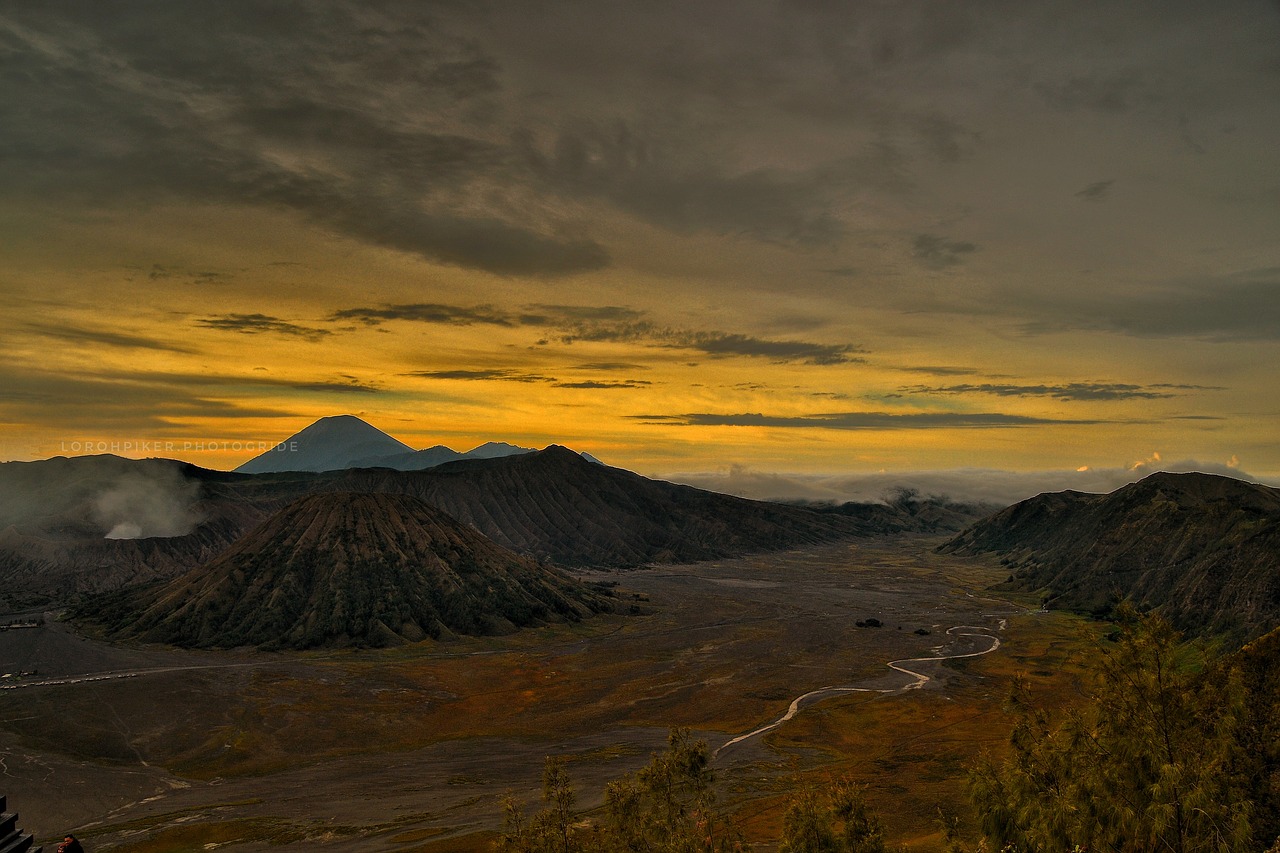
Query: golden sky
{"x":780,"y":237}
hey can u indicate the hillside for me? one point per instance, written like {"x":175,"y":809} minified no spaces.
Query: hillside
{"x":556,"y":505}
{"x":1203,"y":549}
{"x":349,"y":569}
{"x":552,"y":504}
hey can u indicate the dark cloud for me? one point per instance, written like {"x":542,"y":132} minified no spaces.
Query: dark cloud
{"x":561,"y":316}
{"x":1227,"y":308}
{"x":861,"y":420}
{"x":609,"y":323}
{"x":609,"y":366}
{"x":161,"y":272}
{"x":940,"y":370}
{"x":597,"y":385}
{"x":342,"y":384}
{"x":83,"y":335}
{"x":463,"y":132}
{"x":464,"y":135}
{"x":316,"y":110}
{"x":484,"y":243}
{"x":639,"y":331}
{"x":550,"y":315}
{"x":488,"y":375}
{"x":335,"y":387}
{"x":617,"y":163}
{"x":938,"y":252}
{"x":258,"y":324}
{"x":1067,"y":391}
{"x":509,"y":375}
{"x":718,"y":344}
{"x":1096,"y":191}
{"x":449,"y":315}
{"x":86,"y":405}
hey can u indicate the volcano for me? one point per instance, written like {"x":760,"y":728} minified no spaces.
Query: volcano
{"x":329,"y":444}
{"x":346,"y":569}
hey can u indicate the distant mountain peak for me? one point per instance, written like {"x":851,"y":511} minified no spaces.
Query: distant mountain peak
{"x":496,"y":449}
{"x":329,"y":444}
{"x":339,"y":442}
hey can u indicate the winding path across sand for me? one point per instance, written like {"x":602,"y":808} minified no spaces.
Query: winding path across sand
{"x":899,"y":665}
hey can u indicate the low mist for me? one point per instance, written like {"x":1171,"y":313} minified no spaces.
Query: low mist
{"x":977,"y":485}
{"x":157,"y":502}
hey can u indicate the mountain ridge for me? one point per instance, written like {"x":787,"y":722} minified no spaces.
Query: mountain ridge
{"x":1203,"y":548}
{"x":553,"y":505}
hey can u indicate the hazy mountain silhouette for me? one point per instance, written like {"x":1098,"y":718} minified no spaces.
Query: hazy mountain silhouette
{"x":420,"y":460}
{"x":345,"y":441}
{"x":495,"y":450}
{"x":1204,"y":549}
{"x":329,"y":444}
{"x":349,"y":569}
{"x":414,"y":460}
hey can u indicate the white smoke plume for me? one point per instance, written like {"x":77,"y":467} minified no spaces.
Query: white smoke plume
{"x":138,"y":505}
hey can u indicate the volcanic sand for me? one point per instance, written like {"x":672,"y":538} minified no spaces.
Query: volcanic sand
{"x":412,"y":748}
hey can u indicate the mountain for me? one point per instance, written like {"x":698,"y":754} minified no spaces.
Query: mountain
{"x":343,"y":569}
{"x":552,"y":504}
{"x":329,"y":444}
{"x":344,"y":441}
{"x":420,"y":460}
{"x":414,"y":460}
{"x":1203,"y":549}
{"x":556,"y":505}
{"x":495,"y":450}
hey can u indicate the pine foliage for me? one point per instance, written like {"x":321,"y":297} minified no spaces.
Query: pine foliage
{"x":1144,"y":765}
{"x":836,"y":820}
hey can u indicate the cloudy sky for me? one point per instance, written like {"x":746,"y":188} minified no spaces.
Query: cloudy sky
{"x":808,"y":237}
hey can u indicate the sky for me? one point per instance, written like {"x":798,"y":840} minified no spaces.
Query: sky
{"x":744,"y":242}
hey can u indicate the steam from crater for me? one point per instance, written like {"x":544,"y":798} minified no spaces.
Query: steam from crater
{"x":138,"y":505}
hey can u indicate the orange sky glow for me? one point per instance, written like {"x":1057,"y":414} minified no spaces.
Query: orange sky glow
{"x":783,"y":238}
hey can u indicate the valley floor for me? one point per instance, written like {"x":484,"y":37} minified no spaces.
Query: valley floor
{"x":411,"y":749}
